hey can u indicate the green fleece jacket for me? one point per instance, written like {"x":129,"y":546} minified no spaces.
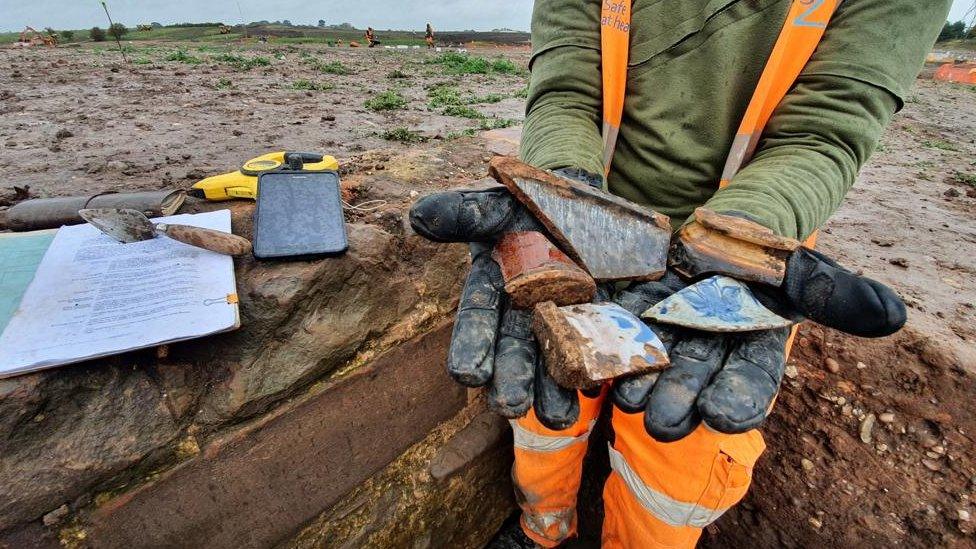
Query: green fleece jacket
{"x":694,"y":65}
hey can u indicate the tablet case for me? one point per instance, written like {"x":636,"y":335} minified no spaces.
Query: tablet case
{"x":299,"y":215}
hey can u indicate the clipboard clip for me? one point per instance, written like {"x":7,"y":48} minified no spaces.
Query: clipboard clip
{"x":229,"y":299}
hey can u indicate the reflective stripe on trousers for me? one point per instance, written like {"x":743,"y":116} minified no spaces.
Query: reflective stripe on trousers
{"x":665,"y":509}
{"x":527,"y":440}
{"x":658,"y":495}
{"x":546,"y":473}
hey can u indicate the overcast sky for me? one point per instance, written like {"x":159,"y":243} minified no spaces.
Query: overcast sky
{"x":381,"y":14}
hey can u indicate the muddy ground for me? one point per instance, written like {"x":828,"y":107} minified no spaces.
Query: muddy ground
{"x":76,"y":120}
{"x":873,"y":447}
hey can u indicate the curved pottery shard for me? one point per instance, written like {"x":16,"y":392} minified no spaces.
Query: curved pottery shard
{"x":587,"y":345}
{"x":612,"y":238}
{"x":717,"y":304}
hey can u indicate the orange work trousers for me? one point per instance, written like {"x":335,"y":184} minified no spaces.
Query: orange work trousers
{"x":658,"y":494}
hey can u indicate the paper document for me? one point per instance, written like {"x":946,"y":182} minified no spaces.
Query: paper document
{"x":92,"y":296}
{"x":20,"y":254}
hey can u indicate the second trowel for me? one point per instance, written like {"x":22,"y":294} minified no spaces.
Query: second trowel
{"x":128,"y":226}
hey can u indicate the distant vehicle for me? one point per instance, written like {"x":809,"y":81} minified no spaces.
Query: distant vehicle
{"x":30,"y":37}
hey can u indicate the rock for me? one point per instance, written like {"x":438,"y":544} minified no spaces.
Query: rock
{"x":899,"y":262}
{"x":832,"y":365}
{"x":964,"y":515}
{"x":861,"y":365}
{"x":927,"y":441}
{"x":881,"y":448}
{"x":939,"y":450}
{"x":931,"y":465}
{"x":63,"y":134}
{"x":841,"y":401}
{"x":806,"y":464}
{"x":84,"y":425}
{"x":886,"y":417}
{"x":55,"y":516}
{"x":867,"y":426}
{"x":791,"y":371}
{"x":815,"y":522}
{"x":344,"y":303}
{"x":951,"y":192}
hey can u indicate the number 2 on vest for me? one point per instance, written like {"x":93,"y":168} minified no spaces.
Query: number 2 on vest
{"x":803,"y":20}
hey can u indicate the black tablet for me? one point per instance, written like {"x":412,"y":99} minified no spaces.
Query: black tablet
{"x":298,"y":215}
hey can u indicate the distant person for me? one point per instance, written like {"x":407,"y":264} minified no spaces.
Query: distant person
{"x":371,"y":37}
{"x":650,"y":101}
{"x":429,"y":37}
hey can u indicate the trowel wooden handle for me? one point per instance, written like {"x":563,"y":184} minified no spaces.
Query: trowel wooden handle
{"x":536,"y":271}
{"x":208,"y":239}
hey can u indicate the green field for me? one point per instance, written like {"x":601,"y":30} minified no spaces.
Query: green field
{"x":297,"y":35}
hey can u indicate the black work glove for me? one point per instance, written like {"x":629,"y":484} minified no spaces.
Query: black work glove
{"x":492,"y":344}
{"x":730,"y":380}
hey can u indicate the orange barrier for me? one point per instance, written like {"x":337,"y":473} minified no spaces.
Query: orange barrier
{"x":964,"y":73}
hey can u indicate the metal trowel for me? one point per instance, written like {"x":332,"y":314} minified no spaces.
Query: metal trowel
{"x":128,"y":226}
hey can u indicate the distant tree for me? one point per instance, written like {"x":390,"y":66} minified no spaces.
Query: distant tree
{"x":953,"y":31}
{"x":287,"y":23}
{"x":156,"y":25}
{"x":971,"y":35}
{"x":97,"y":34}
{"x":321,"y":23}
{"x":118,"y":30}
{"x":67,"y":35}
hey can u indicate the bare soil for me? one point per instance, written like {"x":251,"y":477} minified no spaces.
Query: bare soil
{"x":871,"y":448}
{"x":77,"y":120}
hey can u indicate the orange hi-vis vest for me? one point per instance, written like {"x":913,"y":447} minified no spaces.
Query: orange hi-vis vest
{"x":805,"y":26}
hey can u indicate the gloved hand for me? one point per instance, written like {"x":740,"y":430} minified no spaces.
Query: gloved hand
{"x":492,"y":343}
{"x":729,"y":381}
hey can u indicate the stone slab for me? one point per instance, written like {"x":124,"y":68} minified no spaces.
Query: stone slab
{"x":261,"y":485}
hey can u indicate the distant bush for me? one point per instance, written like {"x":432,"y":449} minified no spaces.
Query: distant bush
{"x":463,"y":112}
{"x":310,"y":86}
{"x":332,"y":67}
{"x":242,"y":63}
{"x":404,"y":135}
{"x":481,"y":99}
{"x":397,"y":73}
{"x":118,"y":30}
{"x":441,"y":95}
{"x":460,"y":63}
{"x":181,"y":56}
{"x":97,"y":34}
{"x":387,"y":101}
{"x":496,"y":123}
{"x":67,"y":35}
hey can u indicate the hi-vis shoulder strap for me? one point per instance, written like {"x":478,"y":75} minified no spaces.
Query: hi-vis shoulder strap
{"x":804,"y":28}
